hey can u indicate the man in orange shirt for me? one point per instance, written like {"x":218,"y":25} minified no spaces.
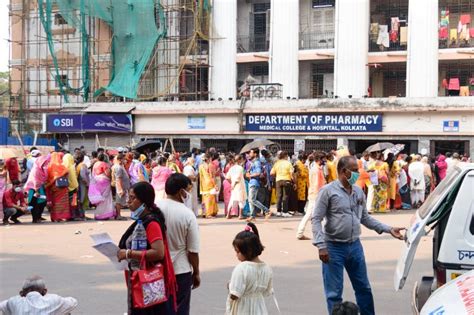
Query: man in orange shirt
{"x":316,"y":182}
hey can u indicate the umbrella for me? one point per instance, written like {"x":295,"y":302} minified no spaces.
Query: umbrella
{"x":153,"y":144}
{"x":6,"y":153}
{"x":379,"y":146}
{"x":256,"y":144}
{"x":395,"y":149}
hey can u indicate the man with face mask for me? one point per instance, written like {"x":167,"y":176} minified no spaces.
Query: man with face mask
{"x":183,"y":237}
{"x":342,"y":204}
{"x":14,"y":204}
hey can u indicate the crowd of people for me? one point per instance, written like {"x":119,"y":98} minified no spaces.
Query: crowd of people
{"x":162,"y":192}
{"x":248,"y":184}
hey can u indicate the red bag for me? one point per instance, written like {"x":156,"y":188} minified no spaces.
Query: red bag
{"x":148,"y":285}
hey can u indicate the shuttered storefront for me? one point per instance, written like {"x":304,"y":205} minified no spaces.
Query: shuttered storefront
{"x":91,"y":142}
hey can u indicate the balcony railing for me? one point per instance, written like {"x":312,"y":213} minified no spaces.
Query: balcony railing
{"x":309,"y":40}
{"x":252,"y":43}
{"x":393,"y":46}
{"x":456,"y":43}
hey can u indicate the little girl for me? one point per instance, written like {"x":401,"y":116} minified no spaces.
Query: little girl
{"x":251,"y":279}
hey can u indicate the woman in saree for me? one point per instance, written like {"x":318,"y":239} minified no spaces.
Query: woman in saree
{"x":416,"y":171}
{"x":128,"y":161}
{"x":226,"y":184}
{"x":191,"y":173}
{"x":100,"y":192}
{"x":379,"y":203}
{"x":160,"y":174}
{"x":35,"y":187}
{"x":83,"y":177}
{"x":208,"y":188}
{"x":59,"y":196}
{"x":394,"y":173}
{"x":238,"y":197}
{"x":429,"y":180}
{"x":69,"y":164}
{"x":172,"y":164}
{"x":302,"y":181}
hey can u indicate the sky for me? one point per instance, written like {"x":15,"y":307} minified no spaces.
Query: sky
{"x":4,"y":45}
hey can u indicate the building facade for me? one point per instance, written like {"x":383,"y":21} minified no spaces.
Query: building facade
{"x":305,"y":73}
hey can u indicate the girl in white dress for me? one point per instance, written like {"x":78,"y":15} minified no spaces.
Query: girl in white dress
{"x":251,"y":280}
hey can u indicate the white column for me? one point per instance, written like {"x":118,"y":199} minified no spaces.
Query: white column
{"x":223,"y":50}
{"x":351,"y":74}
{"x":422,"y":56}
{"x":284,"y":34}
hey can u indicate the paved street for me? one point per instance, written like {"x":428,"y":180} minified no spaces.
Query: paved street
{"x":72,"y":268}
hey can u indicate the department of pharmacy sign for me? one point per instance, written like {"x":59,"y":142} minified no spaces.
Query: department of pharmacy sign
{"x":313,"y":122}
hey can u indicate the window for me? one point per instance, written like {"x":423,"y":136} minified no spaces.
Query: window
{"x":439,"y":192}
{"x":322,"y":77}
{"x":389,"y":16}
{"x":59,"y":20}
{"x":260,"y":70}
{"x":259,"y":27}
{"x":323,"y":3}
{"x":260,"y":18}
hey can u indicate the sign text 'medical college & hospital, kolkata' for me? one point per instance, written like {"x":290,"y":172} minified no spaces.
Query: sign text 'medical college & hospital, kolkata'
{"x":313,"y":122}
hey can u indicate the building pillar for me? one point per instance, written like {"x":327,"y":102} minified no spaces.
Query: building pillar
{"x":471,"y":149}
{"x":422,"y":55}
{"x":342,"y":141}
{"x":223,"y":50}
{"x":424,"y":146}
{"x":351,"y":72}
{"x":284,"y":34}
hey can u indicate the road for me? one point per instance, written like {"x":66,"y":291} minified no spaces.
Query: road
{"x":62,"y":254}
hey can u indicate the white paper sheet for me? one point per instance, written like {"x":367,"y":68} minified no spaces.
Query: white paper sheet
{"x":104,"y":245}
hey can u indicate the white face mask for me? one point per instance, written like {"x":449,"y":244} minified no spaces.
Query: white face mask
{"x":17,"y":189}
{"x":187,"y":200}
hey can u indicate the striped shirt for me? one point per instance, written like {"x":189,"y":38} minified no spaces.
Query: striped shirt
{"x":36,"y":304}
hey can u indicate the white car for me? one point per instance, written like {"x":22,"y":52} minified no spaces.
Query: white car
{"x":455,"y":297}
{"x":449,"y":213}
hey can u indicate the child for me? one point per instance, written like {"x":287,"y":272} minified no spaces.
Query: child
{"x":251,"y":280}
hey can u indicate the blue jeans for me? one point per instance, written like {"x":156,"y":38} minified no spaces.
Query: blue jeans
{"x":351,"y":257}
{"x":254,"y":203}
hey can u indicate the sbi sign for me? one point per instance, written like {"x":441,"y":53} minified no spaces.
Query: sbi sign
{"x":63,"y":122}
{"x":58,"y":123}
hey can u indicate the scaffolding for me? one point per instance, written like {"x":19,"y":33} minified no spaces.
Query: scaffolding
{"x":62,"y":56}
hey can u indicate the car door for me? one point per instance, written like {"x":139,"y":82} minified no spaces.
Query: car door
{"x":429,"y":211}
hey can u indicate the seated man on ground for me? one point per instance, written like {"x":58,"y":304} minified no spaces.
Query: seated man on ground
{"x":33,"y":299}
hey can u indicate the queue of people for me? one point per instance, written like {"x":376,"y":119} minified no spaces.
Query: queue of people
{"x":69,"y":183}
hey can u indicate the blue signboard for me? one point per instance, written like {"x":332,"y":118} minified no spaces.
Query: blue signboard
{"x":63,"y":123}
{"x":196,"y":122}
{"x":451,"y":125}
{"x":313,"y":122}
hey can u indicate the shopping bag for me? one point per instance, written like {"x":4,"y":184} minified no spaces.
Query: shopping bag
{"x":148,"y":285}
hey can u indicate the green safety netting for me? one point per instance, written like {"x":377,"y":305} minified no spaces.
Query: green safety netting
{"x":135,"y":35}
